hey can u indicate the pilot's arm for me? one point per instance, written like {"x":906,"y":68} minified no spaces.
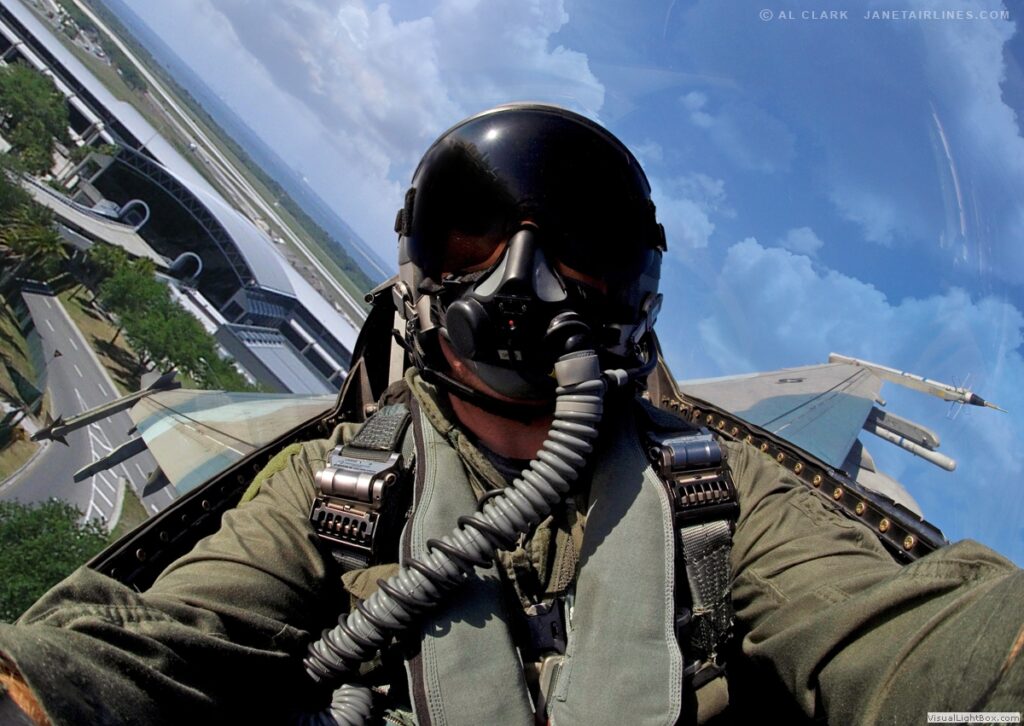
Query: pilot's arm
{"x":220,"y":635}
{"x":827,"y":615}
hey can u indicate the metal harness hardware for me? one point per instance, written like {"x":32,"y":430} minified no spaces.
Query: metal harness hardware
{"x":705,"y":508}
{"x":354,"y":487}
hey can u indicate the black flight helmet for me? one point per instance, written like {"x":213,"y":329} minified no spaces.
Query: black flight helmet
{"x":529,"y":230}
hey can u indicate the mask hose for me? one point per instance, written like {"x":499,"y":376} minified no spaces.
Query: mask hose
{"x":422,"y":583}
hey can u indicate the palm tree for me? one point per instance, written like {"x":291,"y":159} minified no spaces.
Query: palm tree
{"x":29,"y":241}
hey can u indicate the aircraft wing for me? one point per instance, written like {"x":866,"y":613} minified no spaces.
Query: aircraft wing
{"x":194,"y":435}
{"x":820,"y":408}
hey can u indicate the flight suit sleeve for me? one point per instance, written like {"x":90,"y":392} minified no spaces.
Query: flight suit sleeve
{"x":826,"y":613}
{"x":219,"y":636}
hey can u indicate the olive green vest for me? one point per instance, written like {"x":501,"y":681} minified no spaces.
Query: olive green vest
{"x":622,"y":664}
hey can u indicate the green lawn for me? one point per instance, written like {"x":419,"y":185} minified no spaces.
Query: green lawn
{"x":117,"y":356}
{"x":13,"y":355}
{"x":132,"y":515}
{"x":14,"y":455}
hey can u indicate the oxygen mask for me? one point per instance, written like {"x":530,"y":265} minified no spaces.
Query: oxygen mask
{"x":509,"y":321}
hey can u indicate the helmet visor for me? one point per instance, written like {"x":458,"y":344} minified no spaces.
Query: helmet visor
{"x":581,"y":188}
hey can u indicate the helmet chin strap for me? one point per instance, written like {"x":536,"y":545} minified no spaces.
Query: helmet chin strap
{"x":506,"y":409}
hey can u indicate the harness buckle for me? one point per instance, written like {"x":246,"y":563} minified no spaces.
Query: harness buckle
{"x":352,"y":489}
{"x":690,"y":464}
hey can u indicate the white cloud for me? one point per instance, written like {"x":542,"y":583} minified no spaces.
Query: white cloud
{"x":353,"y":92}
{"x":966,"y":64}
{"x":960,"y":68}
{"x":744,"y":133}
{"x":685,"y":204}
{"x":878,"y":214}
{"x":685,"y":222}
{"x":966,"y":61}
{"x":648,"y":152}
{"x":801,"y":240}
{"x":770,"y":308}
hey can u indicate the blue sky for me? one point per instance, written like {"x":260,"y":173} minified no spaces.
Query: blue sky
{"x":849,"y":185}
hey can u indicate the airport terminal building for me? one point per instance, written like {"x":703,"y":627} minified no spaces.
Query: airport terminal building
{"x":140,"y":192}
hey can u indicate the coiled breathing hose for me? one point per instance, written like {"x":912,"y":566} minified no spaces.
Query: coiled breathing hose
{"x":422,"y":583}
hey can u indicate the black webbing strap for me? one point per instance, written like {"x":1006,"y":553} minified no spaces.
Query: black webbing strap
{"x":706,"y":549}
{"x":705,"y":509}
{"x":382,"y":432}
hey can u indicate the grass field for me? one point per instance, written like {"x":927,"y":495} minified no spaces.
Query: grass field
{"x":132,"y":515}
{"x":14,"y":355}
{"x":14,"y":455}
{"x":117,"y":356}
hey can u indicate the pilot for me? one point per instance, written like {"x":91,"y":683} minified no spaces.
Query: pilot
{"x":569,"y":553}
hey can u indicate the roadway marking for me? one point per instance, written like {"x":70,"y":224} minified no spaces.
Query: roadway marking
{"x":103,"y":496}
{"x":50,"y":326}
{"x":102,"y":389}
{"x":170,"y":497}
{"x":78,"y":371}
{"x":96,"y":440}
{"x":95,"y":432}
{"x":141,"y":472}
{"x":47,"y":301}
{"x":155,"y":510}
{"x":111,"y":487}
{"x":73,"y":343}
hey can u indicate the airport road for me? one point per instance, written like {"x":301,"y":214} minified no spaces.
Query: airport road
{"x":76,"y":382}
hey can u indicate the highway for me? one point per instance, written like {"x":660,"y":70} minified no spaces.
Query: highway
{"x":243,"y":192}
{"x":77,"y":381}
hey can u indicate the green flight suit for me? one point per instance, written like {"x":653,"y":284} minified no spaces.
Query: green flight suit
{"x":828,"y":625}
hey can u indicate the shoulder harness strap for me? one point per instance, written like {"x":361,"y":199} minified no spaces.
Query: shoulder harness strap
{"x":691,"y":465}
{"x":359,"y":491}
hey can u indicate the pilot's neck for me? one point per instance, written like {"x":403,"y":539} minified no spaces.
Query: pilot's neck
{"x":513,"y":439}
{"x":508,"y":437}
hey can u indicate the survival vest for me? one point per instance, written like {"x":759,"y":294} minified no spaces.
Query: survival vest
{"x":649,"y":611}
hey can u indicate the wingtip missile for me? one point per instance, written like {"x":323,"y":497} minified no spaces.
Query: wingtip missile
{"x":945,"y":391}
{"x":54,"y":432}
{"x":59,"y":427}
{"x":975,"y":400}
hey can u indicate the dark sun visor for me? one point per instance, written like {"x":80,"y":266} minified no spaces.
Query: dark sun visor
{"x":588,"y":198}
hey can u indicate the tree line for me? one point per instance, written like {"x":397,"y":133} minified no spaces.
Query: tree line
{"x":33,"y":116}
{"x":43,"y":542}
{"x":161,"y":333}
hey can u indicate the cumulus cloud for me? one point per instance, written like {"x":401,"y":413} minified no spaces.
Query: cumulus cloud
{"x":801,"y":240}
{"x":975,"y":80}
{"x":859,"y":97}
{"x":966,"y":64}
{"x":395,"y":84}
{"x":770,"y":308}
{"x":685,"y":204}
{"x":744,"y":133}
{"x":351,"y":92}
{"x":879,"y":215}
{"x":963,"y":68}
